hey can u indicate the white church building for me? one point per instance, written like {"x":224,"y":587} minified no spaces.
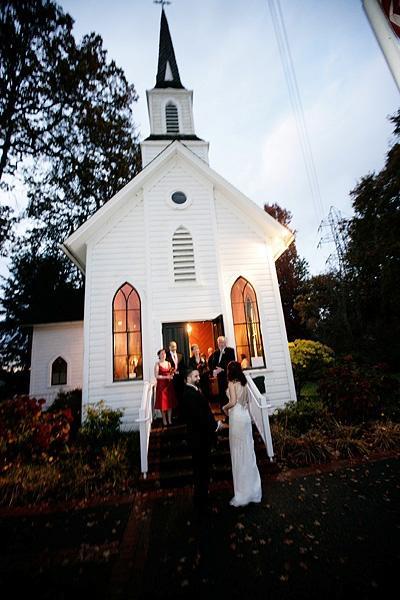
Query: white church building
{"x":177,"y":254}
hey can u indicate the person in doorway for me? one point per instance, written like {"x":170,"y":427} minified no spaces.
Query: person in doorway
{"x":201,"y":428}
{"x":177,"y":362}
{"x":198,"y":361}
{"x":210,"y":352}
{"x":246,"y":477}
{"x":165,"y":391}
{"x":218,"y":364}
{"x":244,"y":363}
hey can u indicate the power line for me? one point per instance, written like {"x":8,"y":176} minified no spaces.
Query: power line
{"x":297,"y":105}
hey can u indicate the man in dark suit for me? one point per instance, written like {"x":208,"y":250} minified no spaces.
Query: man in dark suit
{"x":201,"y":429}
{"x":219,"y":361}
{"x":177,"y":362}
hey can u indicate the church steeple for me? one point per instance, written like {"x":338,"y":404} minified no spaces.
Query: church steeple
{"x":170,"y":105}
{"x":167,"y":72}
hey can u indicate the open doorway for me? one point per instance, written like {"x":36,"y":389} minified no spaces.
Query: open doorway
{"x":202,"y":333}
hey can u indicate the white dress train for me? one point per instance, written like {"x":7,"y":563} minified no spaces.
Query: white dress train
{"x":246,"y":477}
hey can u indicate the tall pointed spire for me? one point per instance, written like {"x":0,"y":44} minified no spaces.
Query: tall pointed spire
{"x":167,"y":73}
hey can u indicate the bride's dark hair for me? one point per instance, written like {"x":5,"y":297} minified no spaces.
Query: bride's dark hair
{"x":235,"y":373}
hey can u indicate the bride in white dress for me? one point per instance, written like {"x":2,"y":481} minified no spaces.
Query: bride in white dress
{"x":246,"y":478}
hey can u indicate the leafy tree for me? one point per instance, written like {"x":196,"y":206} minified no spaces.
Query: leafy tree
{"x":373,"y":257}
{"x":322,"y":307}
{"x":95,"y":147}
{"x":76,"y":108}
{"x":34,"y":37}
{"x":309,"y":360}
{"x":39,"y":289}
{"x":292,"y":272}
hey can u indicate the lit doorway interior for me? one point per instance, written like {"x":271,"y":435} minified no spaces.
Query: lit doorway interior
{"x":202,"y":333}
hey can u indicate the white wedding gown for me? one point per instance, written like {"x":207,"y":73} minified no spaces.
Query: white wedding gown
{"x":246,"y":477}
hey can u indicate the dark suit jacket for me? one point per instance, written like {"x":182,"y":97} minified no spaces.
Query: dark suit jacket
{"x":228,"y":355}
{"x":181,"y":362}
{"x":201,"y":366}
{"x":200,"y":422}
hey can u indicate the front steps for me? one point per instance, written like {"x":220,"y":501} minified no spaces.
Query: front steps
{"x":170,"y":463}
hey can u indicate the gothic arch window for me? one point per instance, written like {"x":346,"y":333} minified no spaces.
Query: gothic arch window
{"x":171,"y":118}
{"x":246,"y":321}
{"x":127,"y":334}
{"x":183,"y":255}
{"x":59,"y":371}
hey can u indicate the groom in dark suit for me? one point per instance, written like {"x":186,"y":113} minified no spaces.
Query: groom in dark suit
{"x":201,"y":429}
{"x":218,"y":362}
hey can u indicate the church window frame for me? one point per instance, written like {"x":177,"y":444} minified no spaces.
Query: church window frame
{"x":59,"y":371}
{"x":247,"y":324}
{"x":127,"y":333}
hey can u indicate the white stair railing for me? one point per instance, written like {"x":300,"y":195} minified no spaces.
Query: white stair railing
{"x":145,"y":420}
{"x":258,"y":407}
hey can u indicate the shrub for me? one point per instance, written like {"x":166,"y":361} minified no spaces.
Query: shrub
{"x":384,"y":436}
{"x":114,"y":465}
{"x":69,"y":400}
{"x":28,"y":432}
{"x":348,"y":441}
{"x":354,"y":395}
{"x":309,"y":361}
{"x":307,"y":449}
{"x":299,"y":417}
{"x":28,"y":484}
{"x":102,"y":425}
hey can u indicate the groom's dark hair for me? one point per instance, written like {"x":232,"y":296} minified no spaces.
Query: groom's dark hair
{"x":189,"y":370}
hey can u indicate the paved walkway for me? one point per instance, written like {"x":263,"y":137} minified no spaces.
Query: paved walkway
{"x":322,"y":536}
{"x":326,"y":535}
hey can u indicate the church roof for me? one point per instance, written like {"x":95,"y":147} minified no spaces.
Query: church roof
{"x":167,"y":72}
{"x":279,"y":236}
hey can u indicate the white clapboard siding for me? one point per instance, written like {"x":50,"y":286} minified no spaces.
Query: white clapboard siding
{"x":243,"y":252}
{"x":50,"y":341}
{"x":116,"y":256}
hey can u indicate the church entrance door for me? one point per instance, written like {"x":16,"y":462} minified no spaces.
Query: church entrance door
{"x":202,"y":333}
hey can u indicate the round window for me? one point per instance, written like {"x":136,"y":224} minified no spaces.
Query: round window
{"x":178,"y":198}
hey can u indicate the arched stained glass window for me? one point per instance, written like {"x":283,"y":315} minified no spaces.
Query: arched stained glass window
{"x":127,"y":334}
{"x":59,"y":372}
{"x":246,"y":321}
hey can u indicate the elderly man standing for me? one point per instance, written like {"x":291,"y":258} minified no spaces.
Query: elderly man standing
{"x":219,"y":361}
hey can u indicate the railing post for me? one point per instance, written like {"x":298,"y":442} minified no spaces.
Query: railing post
{"x":267,"y":428}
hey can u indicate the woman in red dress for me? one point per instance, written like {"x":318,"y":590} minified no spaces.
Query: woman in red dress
{"x":165,"y":392}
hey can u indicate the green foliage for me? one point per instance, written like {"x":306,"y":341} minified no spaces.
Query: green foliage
{"x":309,"y":360}
{"x":292,"y":272}
{"x":356,"y":311}
{"x":38,"y":289}
{"x":101,"y":426}
{"x":84,"y":146}
{"x":355,"y":395}
{"x":302,"y":416}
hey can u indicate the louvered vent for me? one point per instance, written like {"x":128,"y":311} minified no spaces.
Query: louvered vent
{"x":183,"y":255}
{"x":171,"y":115}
